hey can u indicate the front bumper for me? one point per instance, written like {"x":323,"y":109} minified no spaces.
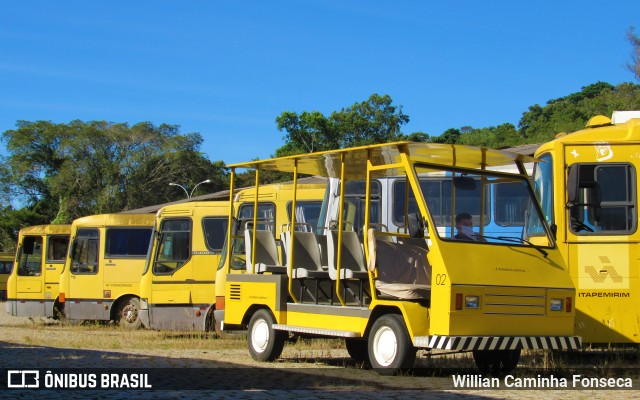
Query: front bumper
{"x":469,"y":343}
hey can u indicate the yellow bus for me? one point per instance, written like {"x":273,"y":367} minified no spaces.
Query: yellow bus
{"x":179,"y":280}
{"x":101,"y":276}
{"x":398,"y":291}
{"x":6,"y":265}
{"x":33,"y":286}
{"x":588,"y":185}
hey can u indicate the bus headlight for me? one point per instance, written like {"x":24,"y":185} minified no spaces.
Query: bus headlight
{"x":556,"y":305}
{"x":471,"y":301}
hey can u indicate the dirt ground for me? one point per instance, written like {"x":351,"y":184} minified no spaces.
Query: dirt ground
{"x":223,"y":368}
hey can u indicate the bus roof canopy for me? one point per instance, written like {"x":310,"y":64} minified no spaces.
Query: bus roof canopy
{"x":327,"y":163}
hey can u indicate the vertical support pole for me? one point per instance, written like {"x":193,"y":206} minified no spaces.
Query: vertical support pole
{"x":367,"y":222}
{"x":291,"y":258}
{"x":230,"y":221}
{"x":255,"y":224}
{"x":340,"y":228}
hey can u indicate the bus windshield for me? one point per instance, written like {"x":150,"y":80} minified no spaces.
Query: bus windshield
{"x":455,"y":200}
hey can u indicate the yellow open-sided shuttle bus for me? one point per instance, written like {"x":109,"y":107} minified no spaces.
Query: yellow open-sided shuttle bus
{"x":390,"y":293}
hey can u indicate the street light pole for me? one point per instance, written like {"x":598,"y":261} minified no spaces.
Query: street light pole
{"x":181,"y":187}
{"x":189,"y":195}
{"x":194,"y":188}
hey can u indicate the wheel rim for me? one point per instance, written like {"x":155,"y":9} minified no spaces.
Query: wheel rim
{"x":385,"y":346}
{"x":130,"y":314}
{"x":260,"y":336}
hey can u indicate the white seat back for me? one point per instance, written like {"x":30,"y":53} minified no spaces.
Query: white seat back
{"x":266,"y":250}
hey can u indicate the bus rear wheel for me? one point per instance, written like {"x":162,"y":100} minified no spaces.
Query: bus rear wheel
{"x":128,"y":314}
{"x":390,"y":347}
{"x":265,"y":343}
{"x":496,"y":362}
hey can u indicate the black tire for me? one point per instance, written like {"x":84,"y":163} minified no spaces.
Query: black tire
{"x":58,"y":311}
{"x":128,"y":313}
{"x":390,"y":348}
{"x":496,"y":363}
{"x":265,"y":343}
{"x":358,"y":350}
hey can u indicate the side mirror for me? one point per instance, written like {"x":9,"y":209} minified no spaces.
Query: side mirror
{"x":573,"y":183}
{"x":28,"y":245}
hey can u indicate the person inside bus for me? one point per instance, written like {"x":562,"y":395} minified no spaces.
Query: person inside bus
{"x":464,"y":226}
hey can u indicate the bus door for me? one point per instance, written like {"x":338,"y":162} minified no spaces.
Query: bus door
{"x":30,"y":280}
{"x":57,"y":246}
{"x":85,"y":279}
{"x":171,"y":270}
{"x":602,"y":238}
{"x":209,"y":242}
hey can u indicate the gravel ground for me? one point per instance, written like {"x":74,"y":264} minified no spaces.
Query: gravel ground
{"x":222,"y":367}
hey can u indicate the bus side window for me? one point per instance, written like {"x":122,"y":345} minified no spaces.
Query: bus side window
{"x":601,"y":198}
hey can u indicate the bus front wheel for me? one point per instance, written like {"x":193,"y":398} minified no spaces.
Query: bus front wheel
{"x":496,"y":362}
{"x":390,"y":347}
{"x":128,"y":314}
{"x":265,"y":343}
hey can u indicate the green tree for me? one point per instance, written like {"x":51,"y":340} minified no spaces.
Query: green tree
{"x":375,"y":120}
{"x":450,"y":136}
{"x":64,"y":171}
{"x":570,"y":113}
{"x":372,"y":121}
{"x":308,"y":132}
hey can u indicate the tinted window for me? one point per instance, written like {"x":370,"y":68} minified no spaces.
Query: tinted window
{"x":30,"y":260}
{"x":127,"y":242}
{"x":6,"y":267}
{"x":266,"y":215}
{"x":84,"y":257}
{"x":215,"y":231}
{"x":606,"y":200}
{"x":174,"y":248}
{"x":307,"y":212}
{"x":57,"y":248}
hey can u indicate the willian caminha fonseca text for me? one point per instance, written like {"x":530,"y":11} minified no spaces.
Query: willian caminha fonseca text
{"x":576,"y":381}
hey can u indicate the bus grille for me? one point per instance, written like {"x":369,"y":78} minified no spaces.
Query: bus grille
{"x":234,"y":291}
{"x":508,"y":301}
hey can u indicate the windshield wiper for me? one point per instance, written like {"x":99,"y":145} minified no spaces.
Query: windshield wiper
{"x":515,"y":239}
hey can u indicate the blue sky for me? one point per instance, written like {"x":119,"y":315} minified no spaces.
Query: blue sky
{"x":227,"y":69}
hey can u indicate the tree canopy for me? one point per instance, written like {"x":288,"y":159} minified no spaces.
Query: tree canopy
{"x":60,"y":172}
{"x":374,"y":120}
{"x":540,"y":124}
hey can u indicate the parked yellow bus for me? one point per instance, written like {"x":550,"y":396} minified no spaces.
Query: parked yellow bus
{"x":179,"y":281}
{"x":101,"y":276}
{"x":587,"y":184}
{"x":33,"y":286}
{"x":395,"y":292}
{"x":6,"y":266}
